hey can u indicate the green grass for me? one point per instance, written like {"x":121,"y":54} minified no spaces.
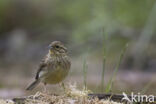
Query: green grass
{"x":85,"y":67}
{"x":104,"y":42}
{"x":103,"y":73}
{"x":109,"y":85}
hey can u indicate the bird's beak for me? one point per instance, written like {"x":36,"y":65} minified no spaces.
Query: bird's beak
{"x":50,"y":47}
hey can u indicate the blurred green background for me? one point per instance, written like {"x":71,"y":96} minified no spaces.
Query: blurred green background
{"x":85,"y":27}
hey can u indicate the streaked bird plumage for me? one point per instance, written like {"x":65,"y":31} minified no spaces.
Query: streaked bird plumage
{"x":54,"y":67}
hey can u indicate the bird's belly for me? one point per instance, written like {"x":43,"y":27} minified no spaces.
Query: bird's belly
{"x":56,"y":76}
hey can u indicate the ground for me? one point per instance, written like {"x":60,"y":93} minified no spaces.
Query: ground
{"x":71,"y":96}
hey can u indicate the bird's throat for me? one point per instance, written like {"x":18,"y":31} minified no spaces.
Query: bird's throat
{"x":51,"y":52}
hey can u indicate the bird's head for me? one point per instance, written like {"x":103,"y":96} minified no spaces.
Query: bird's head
{"x":56,"y":47}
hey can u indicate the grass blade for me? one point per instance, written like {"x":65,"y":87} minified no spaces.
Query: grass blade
{"x":109,"y":85}
{"x":85,"y":67}
{"x":103,"y":73}
{"x":104,"y":41}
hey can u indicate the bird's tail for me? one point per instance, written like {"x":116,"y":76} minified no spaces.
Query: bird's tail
{"x":33,"y":85}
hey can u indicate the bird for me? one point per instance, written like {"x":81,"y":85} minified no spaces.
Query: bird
{"x":54,"y":68}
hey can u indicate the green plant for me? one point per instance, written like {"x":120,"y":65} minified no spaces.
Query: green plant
{"x":85,"y":67}
{"x":109,"y":85}
{"x":104,"y":41}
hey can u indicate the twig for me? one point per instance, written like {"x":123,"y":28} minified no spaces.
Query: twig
{"x":115,"y":97}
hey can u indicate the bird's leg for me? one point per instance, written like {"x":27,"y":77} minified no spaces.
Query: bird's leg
{"x":45,"y":89}
{"x":63,"y":86}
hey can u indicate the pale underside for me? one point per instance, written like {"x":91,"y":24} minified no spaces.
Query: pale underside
{"x":55,"y":71}
{"x":56,"y":75}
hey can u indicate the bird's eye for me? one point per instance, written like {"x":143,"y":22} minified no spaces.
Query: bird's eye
{"x":57,"y":46}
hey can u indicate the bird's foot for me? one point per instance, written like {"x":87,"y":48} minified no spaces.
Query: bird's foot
{"x":63,"y":86}
{"x":44,"y":88}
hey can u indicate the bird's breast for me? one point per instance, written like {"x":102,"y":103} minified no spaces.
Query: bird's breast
{"x":56,"y":75}
{"x":57,"y":71}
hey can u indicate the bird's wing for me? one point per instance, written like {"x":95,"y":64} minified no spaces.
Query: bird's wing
{"x":41,"y":68}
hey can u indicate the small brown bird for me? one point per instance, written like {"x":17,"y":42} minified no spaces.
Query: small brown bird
{"x":54,"y":68}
